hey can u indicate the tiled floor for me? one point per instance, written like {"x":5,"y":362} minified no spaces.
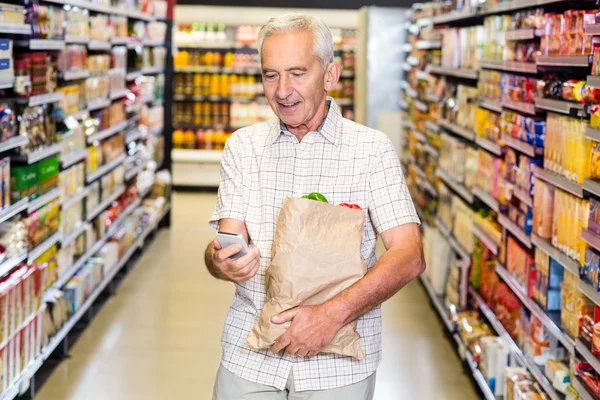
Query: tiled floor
{"x":159,"y":337}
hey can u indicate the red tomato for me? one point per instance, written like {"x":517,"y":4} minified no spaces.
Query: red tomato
{"x":355,"y":207}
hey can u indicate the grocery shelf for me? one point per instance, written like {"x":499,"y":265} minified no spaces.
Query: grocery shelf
{"x":10,"y":211}
{"x":558,"y":181}
{"x":7,"y":82}
{"x":77,"y":39}
{"x":152,"y":70}
{"x":96,"y":44}
{"x":419,"y":171}
{"x":457,"y":247}
{"x":16,"y":29}
{"x":515,"y":230}
{"x":437,"y":301}
{"x":486,"y":198}
{"x":40,"y":154}
{"x":460,"y":131}
{"x":13,"y":143}
{"x":592,"y":133}
{"x":488,"y":145}
{"x":105,"y":9}
{"x":509,"y":66}
{"x":522,"y":34}
{"x":594,"y":80}
{"x":81,"y":114}
{"x":587,"y":354}
{"x":41,"y":248}
{"x":103,"y":134}
{"x":43,"y":200}
{"x":11,"y":262}
{"x":153,"y":226}
{"x":589,"y":291}
{"x":432,"y":98}
{"x":514,"y":5}
{"x":66,"y":160}
{"x":75,"y":74}
{"x":117,"y":41}
{"x":485,"y":239}
{"x":428,"y":44}
{"x":457,"y":187}
{"x":455,"y":72}
{"x":561,"y":107}
{"x":453,"y":16}
{"x":133,"y":172}
{"x":527,"y":108}
{"x":522,"y":146}
{"x":522,"y":195}
{"x":591,"y":238}
{"x":98,"y":104}
{"x":518,"y":355}
{"x":153,"y":42}
{"x":104,"y":169}
{"x":491,"y":105}
{"x":41,"y":99}
{"x":431,"y":150}
{"x":487,"y":392}
{"x":564,"y":61}
{"x":70,"y":237}
{"x":422,"y":75}
{"x":105,"y":203}
{"x":195,"y":156}
{"x":591,"y":186}
{"x":75,"y":198}
{"x":45,"y":44}
{"x":413,"y":61}
{"x":581,"y":389}
{"x":432,"y":126}
{"x":419,"y":135}
{"x":133,"y":75}
{"x":133,"y":135}
{"x":557,"y":255}
{"x":117,"y":94}
{"x":423,"y":107}
{"x":551,"y":323}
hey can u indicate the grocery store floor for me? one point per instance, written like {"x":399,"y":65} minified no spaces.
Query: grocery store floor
{"x":159,"y":337}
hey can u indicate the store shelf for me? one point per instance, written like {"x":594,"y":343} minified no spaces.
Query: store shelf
{"x":133,"y":75}
{"x":457,"y":247}
{"x":104,"y":169}
{"x":119,"y":41}
{"x":133,"y":172}
{"x":428,"y":44}
{"x":41,"y":99}
{"x":487,"y":392}
{"x":105,"y":9}
{"x":41,"y":248}
{"x":45,"y":44}
{"x":77,"y":39}
{"x":558,"y":181}
{"x":592,"y":133}
{"x":432,"y":98}
{"x":16,"y":29}
{"x":432,"y":126}
{"x":518,"y":355}
{"x":522,"y":34}
{"x":13,"y":143}
{"x":457,"y":187}
{"x":515,"y":230}
{"x":152,"y":70}
{"x":43,"y":200}
{"x":581,"y":389}
{"x":587,"y":354}
{"x":67,"y":160}
{"x":488,"y":145}
{"x":431,"y":150}
{"x":10,"y":263}
{"x":462,"y":132}
{"x":105,"y":203}
{"x":79,"y":115}
{"x":509,"y":66}
{"x":522,"y":196}
{"x":423,"y":107}
{"x":10,"y":211}
{"x":455,"y":72}
{"x":438,"y":302}
{"x":485,"y":239}
{"x":561,"y":107}
{"x":117,"y":94}
{"x":557,"y":255}
{"x":73,"y":75}
{"x":491,"y":105}
{"x":153,"y":42}
{"x":514,"y":5}
{"x":551,"y":323}
{"x":98,"y":104}
{"x":7,"y":82}
{"x":589,"y":291}
{"x":77,"y":231}
{"x":522,"y":146}
{"x":527,"y":108}
{"x":451,"y":17}
{"x":103,"y":134}
{"x":75,"y":198}
{"x":564,"y":61}
{"x":486,"y":198}
{"x":40,"y":154}
{"x":133,"y":135}
{"x":154,"y":226}
{"x":422,"y":75}
{"x":196,"y":156}
{"x":591,"y":238}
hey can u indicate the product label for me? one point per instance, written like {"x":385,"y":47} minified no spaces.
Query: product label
{"x":4,"y":64}
{"x":4,"y":44}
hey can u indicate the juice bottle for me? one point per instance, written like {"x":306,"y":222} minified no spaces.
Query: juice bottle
{"x":214,"y":85}
{"x":200,"y":144}
{"x":208,"y":58}
{"x":208,"y":139}
{"x":178,"y":139}
{"x":205,"y":84}
{"x":206,"y":113}
{"x":225,"y":113}
{"x":242,"y":87}
{"x":197,"y":113}
{"x":189,"y":139}
{"x":228,"y":60}
{"x":234,"y":85}
{"x":197,"y":84}
{"x":215,"y":113}
{"x":251,"y":86}
{"x":217,"y":59}
{"x":224,"y":85}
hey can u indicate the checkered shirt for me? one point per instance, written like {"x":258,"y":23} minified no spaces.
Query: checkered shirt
{"x":264,"y":164}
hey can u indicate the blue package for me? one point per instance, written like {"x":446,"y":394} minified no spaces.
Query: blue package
{"x":528,"y":225}
{"x":553,"y":302}
{"x":555,"y":275}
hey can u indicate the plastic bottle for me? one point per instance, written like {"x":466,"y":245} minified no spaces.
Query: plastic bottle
{"x":189,"y":139}
{"x":178,"y":139}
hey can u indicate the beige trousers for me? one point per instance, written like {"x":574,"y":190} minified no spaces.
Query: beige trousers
{"x":229,"y":386}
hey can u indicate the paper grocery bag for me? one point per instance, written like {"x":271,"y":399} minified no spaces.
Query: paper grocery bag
{"x":315,"y":256}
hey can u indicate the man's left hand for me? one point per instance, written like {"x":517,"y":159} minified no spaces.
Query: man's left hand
{"x":312,"y":328}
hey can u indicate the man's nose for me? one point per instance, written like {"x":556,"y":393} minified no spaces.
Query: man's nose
{"x":284,"y":89}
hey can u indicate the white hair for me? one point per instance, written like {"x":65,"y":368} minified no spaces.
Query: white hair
{"x":293,"y":22}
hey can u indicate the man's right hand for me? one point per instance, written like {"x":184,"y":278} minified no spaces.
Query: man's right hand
{"x":238,"y":270}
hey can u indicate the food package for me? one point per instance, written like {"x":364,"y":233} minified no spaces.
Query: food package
{"x":316,"y":255}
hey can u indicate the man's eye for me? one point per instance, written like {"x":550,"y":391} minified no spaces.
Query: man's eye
{"x":270,"y":76}
{"x":297,"y":74}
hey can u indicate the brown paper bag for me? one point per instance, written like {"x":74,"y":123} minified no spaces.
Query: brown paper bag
{"x":315,"y":256}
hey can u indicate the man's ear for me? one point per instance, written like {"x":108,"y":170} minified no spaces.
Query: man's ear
{"x":332,"y":75}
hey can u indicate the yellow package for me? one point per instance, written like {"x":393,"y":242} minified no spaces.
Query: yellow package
{"x":555,"y":218}
{"x":595,"y":161}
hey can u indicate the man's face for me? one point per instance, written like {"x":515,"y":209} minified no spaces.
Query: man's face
{"x":293,"y":78}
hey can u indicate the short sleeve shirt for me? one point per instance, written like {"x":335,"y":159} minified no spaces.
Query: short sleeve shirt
{"x":264,"y":164}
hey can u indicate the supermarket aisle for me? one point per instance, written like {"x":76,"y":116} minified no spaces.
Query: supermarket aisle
{"x":159,"y":338}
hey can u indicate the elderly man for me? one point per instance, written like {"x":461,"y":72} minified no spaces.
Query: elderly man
{"x":308,"y":148}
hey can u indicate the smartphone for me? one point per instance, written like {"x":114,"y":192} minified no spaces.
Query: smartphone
{"x":227,"y":239}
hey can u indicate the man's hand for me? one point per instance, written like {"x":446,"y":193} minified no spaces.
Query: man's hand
{"x":240,"y":270}
{"x":312,"y":328}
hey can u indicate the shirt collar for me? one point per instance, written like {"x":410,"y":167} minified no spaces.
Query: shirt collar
{"x":330,"y":127}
